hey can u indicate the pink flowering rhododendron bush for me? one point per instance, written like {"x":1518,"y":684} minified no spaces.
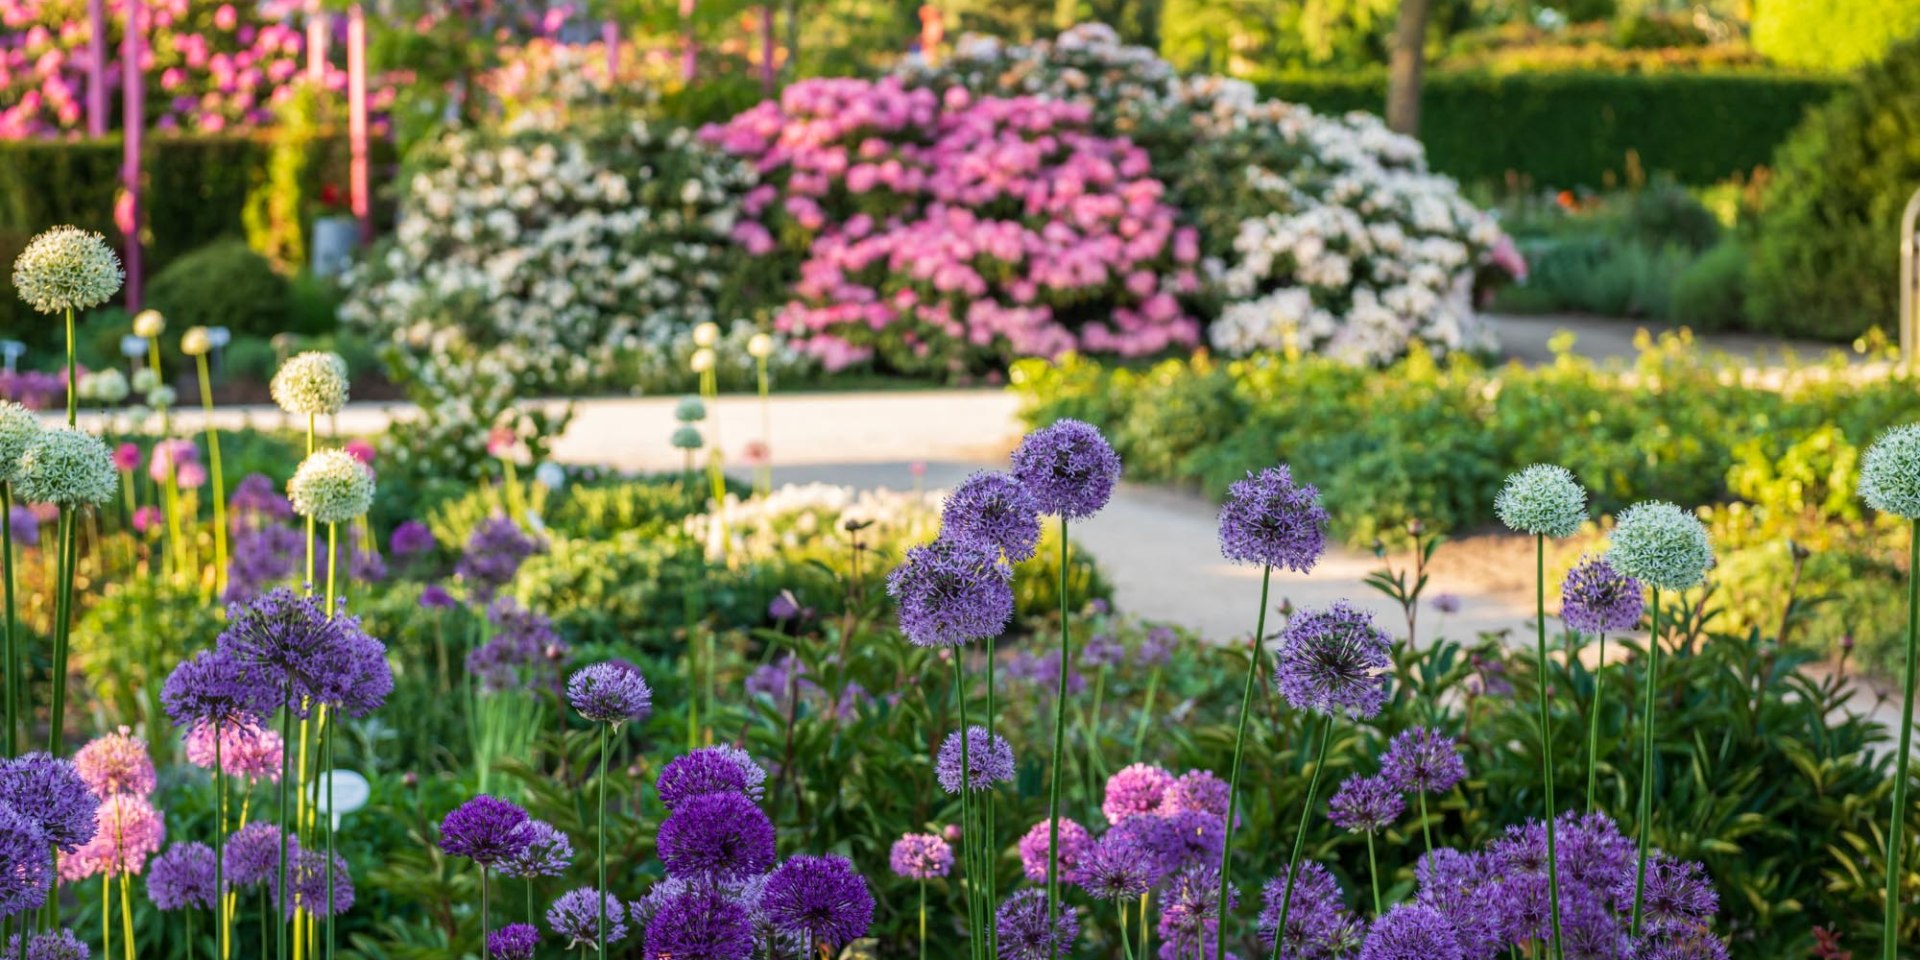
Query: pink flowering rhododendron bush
{"x":956,"y":231}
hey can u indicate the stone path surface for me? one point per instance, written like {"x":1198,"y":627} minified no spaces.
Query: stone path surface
{"x":1526,"y":338}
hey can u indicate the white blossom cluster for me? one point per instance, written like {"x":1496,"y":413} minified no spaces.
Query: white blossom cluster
{"x":796,"y":518}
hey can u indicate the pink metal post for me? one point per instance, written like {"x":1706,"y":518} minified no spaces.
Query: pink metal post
{"x":689,"y":59}
{"x":357,"y":119}
{"x":319,"y":33}
{"x":610,"y":37}
{"x":134,"y":119}
{"x":97,"y":68}
{"x":766,"y":48}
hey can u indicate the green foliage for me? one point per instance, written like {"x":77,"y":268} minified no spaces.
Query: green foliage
{"x":1620,"y":254}
{"x":1823,"y":260}
{"x":1711,"y":292}
{"x":1833,"y":35}
{"x":223,"y":284}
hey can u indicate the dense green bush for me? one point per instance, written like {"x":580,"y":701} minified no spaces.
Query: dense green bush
{"x":1824,"y":262}
{"x":1711,"y":292}
{"x":223,"y":284}
{"x":1832,"y":34}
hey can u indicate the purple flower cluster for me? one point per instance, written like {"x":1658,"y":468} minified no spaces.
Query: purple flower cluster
{"x":548,"y":853}
{"x":1138,"y":789}
{"x":182,"y":878}
{"x":1118,"y":867}
{"x":989,"y":760}
{"x":1075,"y":842}
{"x":304,"y":658}
{"x":1334,"y":660}
{"x":1366,"y":804}
{"x":1419,"y":760}
{"x":261,"y":557}
{"x":612,"y":693}
{"x":1268,"y":521}
{"x":252,"y":854}
{"x":716,"y":769}
{"x":213,"y":689}
{"x":822,"y":900}
{"x":50,"y":945}
{"x":1068,"y":467}
{"x":525,"y":650}
{"x":486,"y":830}
{"x":307,"y":885}
{"x":51,"y":795}
{"x":26,"y":864}
{"x":1189,"y":922}
{"x":921,"y":856}
{"x":1596,"y":598}
{"x":515,"y":941}
{"x":1024,"y":932}
{"x":951,"y":592}
{"x":993,"y":510}
{"x":699,"y":922}
{"x":575,"y":917}
{"x":1318,"y":922}
{"x":1411,"y":931}
{"x":411,"y":538}
{"x":719,"y":836}
{"x":495,"y":550}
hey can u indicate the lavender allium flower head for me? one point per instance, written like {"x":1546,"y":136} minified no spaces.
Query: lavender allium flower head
{"x":128,"y":831}
{"x":1599,"y":599}
{"x":1544,"y":500}
{"x":1410,"y":931}
{"x":435,"y":597}
{"x":1419,"y":760}
{"x":921,"y":856}
{"x":992,"y":510}
{"x":1024,"y":933}
{"x":486,"y":830}
{"x":951,"y":593}
{"x":50,"y":794}
{"x":1075,"y":841}
{"x":1138,"y":789}
{"x":1334,"y":660}
{"x":18,"y":427}
{"x":1268,"y":521}
{"x":1191,"y":903}
{"x":821,"y":899}
{"x":548,"y":854}
{"x":67,"y":467}
{"x":1589,"y":927}
{"x":1156,"y":648}
{"x":612,"y":693}
{"x":1679,"y":897}
{"x":699,"y":924}
{"x":410,"y":538}
{"x":253,"y":854}
{"x":1118,"y":867}
{"x":1594,"y":853}
{"x":1068,"y":467}
{"x":212,"y":688}
{"x":356,"y":677}
{"x":312,"y":383}
{"x":1366,"y":804}
{"x":1457,"y":885}
{"x":1702,"y":945}
{"x":1102,"y":650}
{"x":1197,"y":790}
{"x":717,"y":769}
{"x":1318,"y":922}
{"x":989,"y":761}
{"x":26,"y":864}
{"x":575,"y":918}
{"x":1660,"y":545}
{"x":331,"y":486}
{"x":495,"y":550}
{"x":722,"y":836}
{"x":115,"y":763}
{"x":307,"y":884}
{"x":50,"y":945}
{"x":67,"y":268}
{"x":515,"y":941}
{"x":1188,"y":837}
{"x":286,"y":641}
{"x":182,"y":878}
{"x":1890,"y":472}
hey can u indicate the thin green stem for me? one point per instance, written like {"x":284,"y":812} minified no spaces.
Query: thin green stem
{"x":1896,"y":831}
{"x":601,"y":833}
{"x":12,"y":692}
{"x":1593,"y":725}
{"x":219,"y":843}
{"x":62,"y":629}
{"x":991,"y":931}
{"x":219,"y":482}
{"x":1146,"y":713}
{"x":286,"y":805}
{"x":1126,"y":943}
{"x":1425,"y":824}
{"x":969,"y":838}
{"x":1059,"y":744}
{"x":1300,"y":835}
{"x":326,"y":751}
{"x":1546,"y":731}
{"x":310,"y":526}
{"x":1643,"y":828}
{"x":1373,"y":874}
{"x":486,"y":913}
{"x":923,"y":920}
{"x":1239,"y":747}
{"x":73,"y":376}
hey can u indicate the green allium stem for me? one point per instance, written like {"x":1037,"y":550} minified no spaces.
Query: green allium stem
{"x":1300,"y":835}
{"x":1896,"y":831}
{"x":12,"y":692}
{"x":1059,"y":745}
{"x":1373,"y":874}
{"x":1146,"y":713}
{"x":1546,"y":731}
{"x":310,"y":527}
{"x":62,"y":628}
{"x":219,"y":843}
{"x":1643,"y":828}
{"x":73,"y":377}
{"x":600,"y":833}
{"x":1593,"y":725}
{"x":923,"y":920}
{"x":1239,"y":746}
{"x":286,"y":803}
{"x":969,"y":840}
{"x":219,"y":482}
{"x":1126,"y":944}
{"x":1425,"y":826}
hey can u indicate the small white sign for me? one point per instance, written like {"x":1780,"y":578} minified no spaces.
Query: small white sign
{"x":342,"y":792}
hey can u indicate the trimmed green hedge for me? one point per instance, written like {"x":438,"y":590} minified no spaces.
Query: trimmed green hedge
{"x":1577,"y":128}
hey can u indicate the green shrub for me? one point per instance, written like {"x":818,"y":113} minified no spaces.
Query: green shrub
{"x":223,"y":284}
{"x":1832,"y":34}
{"x":1711,"y":292}
{"x":1823,"y":261}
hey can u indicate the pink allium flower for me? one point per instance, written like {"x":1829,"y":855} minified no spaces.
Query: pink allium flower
{"x":1075,"y":841}
{"x":147,"y":518}
{"x":126,"y":457}
{"x":1138,"y":789}
{"x":116,"y":763}
{"x":128,"y":831}
{"x":251,"y":753}
{"x":360,"y":450}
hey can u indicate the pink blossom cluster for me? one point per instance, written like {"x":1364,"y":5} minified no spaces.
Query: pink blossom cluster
{"x":956,"y":230}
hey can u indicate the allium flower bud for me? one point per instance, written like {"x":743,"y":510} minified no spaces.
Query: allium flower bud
{"x":195,"y":342}
{"x":706,"y":334}
{"x":702,"y":360}
{"x":148,"y":324}
{"x":760,"y":346}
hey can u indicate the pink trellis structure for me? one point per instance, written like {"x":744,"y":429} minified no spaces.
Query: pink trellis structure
{"x":357,"y":120}
{"x":134,"y":119}
{"x":97,"y":68}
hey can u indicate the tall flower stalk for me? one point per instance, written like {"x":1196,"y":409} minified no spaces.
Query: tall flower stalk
{"x":608,"y":695}
{"x":197,"y":343}
{"x":73,"y":471}
{"x":1597,"y":599}
{"x":18,"y":428}
{"x":487,"y":831}
{"x":312,"y":385}
{"x":1890,"y":483}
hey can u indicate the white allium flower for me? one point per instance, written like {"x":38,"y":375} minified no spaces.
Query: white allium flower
{"x":1661,"y":545}
{"x":103,"y":386}
{"x":314,"y":382}
{"x":162,"y":397}
{"x":1542,"y":499}
{"x":702,"y":360}
{"x":148,"y":324}
{"x":706,"y":334}
{"x":18,"y":428}
{"x":760,"y":346}
{"x":196,"y":342}
{"x":66,"y":467}
{"x":688,"y":438}
{"x":690,"y":409}
{"x":331,"y":486}
{"x":145,"y":379}
{"x":1890,"y":472}
{"x":67,"y":268}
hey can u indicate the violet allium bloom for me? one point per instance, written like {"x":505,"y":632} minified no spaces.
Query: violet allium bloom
{"x":127,"y":831}
{"x":249,"y":752}
{"x":307,"y":884}
{"x":261,"y":557}
{"x":699,"y":924}
{"x":1068,"y":467}
{"x":1102,"y":650}
{"x":1446,"y":602}
{"x":486,"y":830}
{"x":720,"y":836}
{"x":1460,"y":886}
{"x":575,"y":917}
{"x":1189,"y":837}
{"x":1023,"y":930}
{"x":1319,"y":924}
{"x":1589,"y":927}
{"x":410,"y":538}
{"x":548,"y":854}
{"x":115,"y":763}
{"x":495,"y":550}
{"x":951,"y":593}
{"x":26,"y":864}
{"x":783,"y":606}
{"x":1156,"y":648}
{"x":434,"y":596}
{"x":50,"y":794}
{"x":820,"y":899}
{"x":1419,"y":760}
{"x":252,"y":854}
{"x":256,"y":497}
{"x":182,"y":878}
{"x":1410,"y":931}
{"x":1268,"y":521}
{"x":1197,"y":790}
{"x":920,"y":856}
{"x":1594,"y":853}
{"x":50,"y":945}
{"x":367,"y":566}
{"x":1366,"y":804}
{"x":1189,"y":908}
{"x":212,"y":688}
{"x":515,"y":941}
{"x":1137,"y":789}
{"x":1599,"y":599}
{"x":992,"y":510}
{"x":717,"y":769}
{"x":26,"y":527}
{"x":1679,"y":898}
{"x":1334,"y":660}
{"x":612,"y":693}
{"x":1118,"y":867}
{"x":989,"y":761}
{"x":524,"y":650}
{"x":1075,"y":841}
{"x":286,"y":641}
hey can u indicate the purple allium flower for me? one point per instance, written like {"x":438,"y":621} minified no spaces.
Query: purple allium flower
{"x":699,"y":924}
{"x":548,"y":854}
{"x":1701,"y":945}
{"x":612,"y":693}
{"x":1198,"y":790}
{"x":1599,"y":599}
{"x":307,"y":884}
{"x":993,"y":511}
{"x":515,"y":941}
{"x":495,"y":550}
{"x":722,"y":836}
{"x":575,"y":917}
{"x":1679,"y":898}
{"x":1366,"y":804}
{"x":1410,"y":931}
{"x":1419,"y":760}
{"x":1075,"y":841}
{"x":259,"y":558}
{"x":1189,"y":837}
{"x":921,"y":856}
{"x":435,"y":597}
{"x":50,"y":945}
{"x":288,"y":643}
{"x":26,"y":526}
{"x":256,"y":497}
{"x":951,"y":593}
{"x":115,"y":763}
{"x":1589,"y":927}
{"x":1156,"y":648}
{"x":211,"y":688}
{"x":988,"y":761}
{"x":253,"y":854}
{"x":1318,"y":922}
{"x":1267,"y":521}
{"x":1334,"y":659}
{"x":1068,"y":467}
{"x":1457,"y":885}
{"x":485,"y":830}
{"x":26,"y":864}
{"x":716,"y":769}
{"x":1136,"y":790}
{"x":1024,"y":934}
{"x":50,"y":795}
{"x":182,"y":877}
{"x":524,"y":650}
{"x":1446,"y":602}
{"x":367,"y":566}
{"x":1118,"y":867}
{"x":822,"y":900}
{"x":410,"y":539}
{"x":1102,"y":650}
{"x":1190,"y":906}
{"x":783,"y":606}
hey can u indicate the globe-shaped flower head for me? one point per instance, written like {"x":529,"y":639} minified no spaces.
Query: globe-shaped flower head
{"x":1366,"y":804}
{"x":52,"y":796}
{"x":1025,"y":933}
{"x":716,"y":769}
{"x":1543,"y":500}
{"x":1117,"y":868}
{"x":485,"y":830}
{"x":182,"y":878}
{"x":1596,"y":598}
{"x":700,"y":922}
{"x":992,"y":510}
{"x":1334,"y":660}
{"x":721,"y":836}
{"x":26,"y":864}
{"x":575,"y":917}
{"x":921,"y":856}
{"x":687,"y":437}
{"x":1661,"y":545}
{"x":68,"y":468}
{"x":989,"y":760}
{"x":1268,"y":521}
{"x":149,"y":324}
{"x":213,"y":688}
{"x":690,"y":409}
{"x":610,"y":693}
{"x":1419,"y":760}
{"x":331,"y":486}
{"x":116,"y":763}
{"x":311,"y":384}
{"x":1138,"y":789}
{"x":822,"y":900}
{"x":1890,"y":472}
{"x":1410,"y":931}
{"x":1075,"y":841}
{"x":253,"y":854}
{"x":951,"y":593}
{"x":515,"y":941}
{"x":50,"y":945}
{"x":18,"y":428}
{"x":67,"y":268}
{"x":548,"y":854}
{"x":196,"y":342}
{"x":1068,"y":467}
